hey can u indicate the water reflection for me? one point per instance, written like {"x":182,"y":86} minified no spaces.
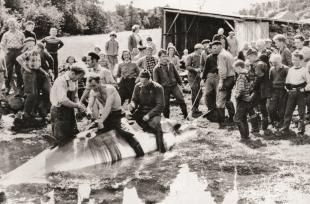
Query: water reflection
{"x":186,"y":188}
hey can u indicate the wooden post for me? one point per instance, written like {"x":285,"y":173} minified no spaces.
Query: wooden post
{"x":185,"y":29}
{"x":175,"y":34}
{"x":164,"y":31}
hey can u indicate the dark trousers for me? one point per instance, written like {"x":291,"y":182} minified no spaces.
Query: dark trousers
{"x":113,"y":122}
{"x":277,"y":106}
{"x":126,"y":87}
{"x":261,"y":103}
{"x":177,"y":93}
{"x":240,"y":118}
{"x":153,"y":125}
{"x":64,"y":126}
{"x":11,"y":63}
{"x":55,"y":58}
{"x":30,"y":91}
{"x":308,"y":102}
{"x":194,"y":81}
{"x":44,"y":87}
{"x":295,"y":98}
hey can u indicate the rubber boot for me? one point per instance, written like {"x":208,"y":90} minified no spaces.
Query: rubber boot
{"x":301,"y":127}
{"x":131,"y":140}
{"x":221,"y":114}
{"x":231,"y":110}
{"x":254,"y":120}
{"x":160,"y":141}
{"x":243,"y":131}
{"x":184,"y":110}
{"x":265,"y":124}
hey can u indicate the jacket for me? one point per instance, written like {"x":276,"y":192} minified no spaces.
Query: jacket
{"x":262,"y":83}
{"x":149,"y":99}
{"x":166,"y":76}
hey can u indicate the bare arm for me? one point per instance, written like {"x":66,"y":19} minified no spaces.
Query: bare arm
{"x":108,"y":105}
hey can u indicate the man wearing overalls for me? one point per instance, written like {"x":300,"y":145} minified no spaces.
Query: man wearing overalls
{"x":64,"y":99}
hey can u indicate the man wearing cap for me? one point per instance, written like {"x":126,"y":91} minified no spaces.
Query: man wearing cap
{"x":193,"y":67}
{"x":259,"y":77}
{"x":53,"y":44}
{"x":232,"y":43}
{"x":147,"y":104}
{"x":280,"y":41}
{"x":148,"y":62}
{"x":166,"y":75}
{"x":111,"y":50}
{"x":210,"y":76}
{"x":226,"y":82}
{"x":221,"y":37}
{"x":12,"y":42}
{"x":206,"y":51}
{"x":64,"y":100}
{"x":109,"y":113}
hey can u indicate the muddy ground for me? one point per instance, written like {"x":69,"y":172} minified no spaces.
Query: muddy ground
{"x":211,"y":167}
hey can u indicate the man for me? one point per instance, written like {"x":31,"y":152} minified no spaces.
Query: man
{"x":210,"y":76}
{"x":29,"y":27}
{"x":109,"y":116}
{"x":166,"y":75}
{"x":148,"y":62}
{"x":232,"y":43}
{"x":278,"y":73}
{"x":280,"y":41}
{"x":111,"y":50}
{"x":296,"y":82}
{"x":148,"y":104}
{"x":206,"y":51}
{"x":53,"y":44}
{"x":193,"y":67}
{"x":12,"y":42}
{"x":221,"y":37}
{"x":44,"y":78}
{"x":261,"y":85}
{"x":64,"y":100}
{"x":226,"y":82}
{"x":299,"y":42}
{"x":30,"y":61}
{"x":94,"y":66}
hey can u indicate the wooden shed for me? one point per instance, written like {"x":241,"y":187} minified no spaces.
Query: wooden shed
{"x":185,"y":28}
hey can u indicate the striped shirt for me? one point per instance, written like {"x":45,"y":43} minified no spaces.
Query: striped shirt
{"x":242,"y":88}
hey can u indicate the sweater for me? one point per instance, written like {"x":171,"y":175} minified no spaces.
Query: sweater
{"x":166,"y":75}
{"x":278,"y":76}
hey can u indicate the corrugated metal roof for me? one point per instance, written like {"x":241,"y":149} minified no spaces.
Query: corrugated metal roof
{"x":229,"y":17}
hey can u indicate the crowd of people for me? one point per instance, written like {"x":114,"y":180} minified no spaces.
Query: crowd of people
{"x":266,"y":80}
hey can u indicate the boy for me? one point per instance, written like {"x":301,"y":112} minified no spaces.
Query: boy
{"x":149,"y":43}
{"x":29,"y":27}
{"x":296,"y":82}
{"x":111,"y":49}
{"x":243,"y":100}
{"x":52,"y":45}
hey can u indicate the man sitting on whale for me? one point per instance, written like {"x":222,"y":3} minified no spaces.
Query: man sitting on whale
{"x":110,"y":113}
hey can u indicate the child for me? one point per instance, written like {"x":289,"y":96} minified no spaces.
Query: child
{"x":149,"y":43}
{"x":296,"y":83}
{"x":97,"y":49}
{"x":184,"y":59}
{"x":67,"y":66}
{"x":243,"y":100}
{"x":111,"y":49}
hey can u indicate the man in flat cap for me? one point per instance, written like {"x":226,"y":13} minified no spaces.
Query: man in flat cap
{"x":206,"y":51}
{"x":194,"y":79}
{"x":111,"y":50}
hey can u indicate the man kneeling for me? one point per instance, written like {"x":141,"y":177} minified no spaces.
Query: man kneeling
{"x":110,"y":113}
{"x":148,"y":104}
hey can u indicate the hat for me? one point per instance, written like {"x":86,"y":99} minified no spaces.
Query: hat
{"x":171,"y":46}
{"x":205,"y":41}
{"x":198,"y":46}
{"x":216,"y":42}
{"x":251,"y":51}
{"x":145,"y":74}
{"x":113,"y":33}
{"x":29,"y":39}
{"x":218,"y":37}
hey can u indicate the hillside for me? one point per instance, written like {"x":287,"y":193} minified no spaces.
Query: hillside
{"x":280,"y":9}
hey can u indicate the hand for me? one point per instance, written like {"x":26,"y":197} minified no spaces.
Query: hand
{"x":51,"y":74}
{"x":146,"y":117}
{"x":81,"y":107}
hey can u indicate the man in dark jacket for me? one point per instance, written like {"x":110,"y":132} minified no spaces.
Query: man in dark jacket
{"x":147,"y":104}
{"x":261,"y":85}
{"x":166,"y":75}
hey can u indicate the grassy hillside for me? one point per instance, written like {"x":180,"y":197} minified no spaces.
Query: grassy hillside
{"x":78,"y":46}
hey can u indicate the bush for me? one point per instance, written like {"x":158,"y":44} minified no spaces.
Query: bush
{"x":44,"y":18}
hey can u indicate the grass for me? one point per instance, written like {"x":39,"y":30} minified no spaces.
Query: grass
{"x":79,"y":46}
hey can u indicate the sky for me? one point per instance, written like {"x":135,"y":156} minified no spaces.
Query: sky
{"x":213,"y":6}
